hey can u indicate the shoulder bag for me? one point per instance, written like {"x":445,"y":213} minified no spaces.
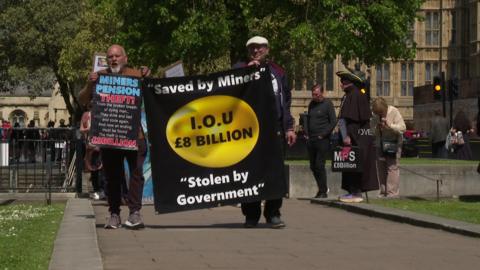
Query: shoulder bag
{"x":388,"y":147}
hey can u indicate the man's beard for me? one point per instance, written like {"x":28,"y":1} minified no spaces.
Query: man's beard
{"x":116,"y":70}
{"x":260,"y":58}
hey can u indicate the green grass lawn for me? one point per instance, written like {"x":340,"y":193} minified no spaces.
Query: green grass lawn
{"x":468,"y":211}
{"x":27,"y":233}
{"x":434,"y":161}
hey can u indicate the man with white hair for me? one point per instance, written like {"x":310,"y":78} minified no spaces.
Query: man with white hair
{"x":258,"y":50}
{"x":112,"y":159}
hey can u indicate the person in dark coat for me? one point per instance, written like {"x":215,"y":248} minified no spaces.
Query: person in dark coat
{"x":32,"y":135}
{"x":354,"y":126}
{"x":51,"y":136}
{"x":18,"y":141}
{"x":462,"y":124}
{"x":258,"y":50}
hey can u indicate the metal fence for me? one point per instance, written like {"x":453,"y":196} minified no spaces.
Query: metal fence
{"x":38,"y":160}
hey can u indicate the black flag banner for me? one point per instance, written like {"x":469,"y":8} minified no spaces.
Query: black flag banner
{"x":213,"y":139}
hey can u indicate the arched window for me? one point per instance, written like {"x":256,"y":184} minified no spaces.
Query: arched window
{"x":18,"y":116}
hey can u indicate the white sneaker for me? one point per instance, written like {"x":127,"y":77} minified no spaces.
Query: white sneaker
{"x":95,"y":196}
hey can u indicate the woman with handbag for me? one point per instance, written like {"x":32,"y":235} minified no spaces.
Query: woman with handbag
{"x":462,"y":127}
{"x":388,"y":126}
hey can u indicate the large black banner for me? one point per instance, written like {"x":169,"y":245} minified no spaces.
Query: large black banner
{"x":115,"y":114}
{"x":214,"y":139}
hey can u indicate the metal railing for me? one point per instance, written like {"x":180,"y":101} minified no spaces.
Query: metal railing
{"x":37,"y":160}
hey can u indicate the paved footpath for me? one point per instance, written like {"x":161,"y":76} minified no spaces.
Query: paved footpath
{"x":316,"y":237}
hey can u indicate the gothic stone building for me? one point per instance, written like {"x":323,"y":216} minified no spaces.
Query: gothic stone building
{"x":447,"y":41}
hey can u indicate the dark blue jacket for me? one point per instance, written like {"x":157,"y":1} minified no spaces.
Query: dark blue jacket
{"x":284,"y":96}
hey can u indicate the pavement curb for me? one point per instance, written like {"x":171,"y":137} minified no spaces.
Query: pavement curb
{"x":37,"y":196}
{"x":397,"y":215}
{"x":76,"y":245}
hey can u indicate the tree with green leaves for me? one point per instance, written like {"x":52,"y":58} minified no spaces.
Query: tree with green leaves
{"x":32,"y":36}
{"x":157,"y":33}
{"x":44,"y":39}
{"x":301,"y":32}
{"x":52,"y":41}
{"x":97,"y":28}
{"x":305,"y":32}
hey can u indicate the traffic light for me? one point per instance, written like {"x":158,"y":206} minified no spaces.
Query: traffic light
{"x":454,"y":88}
{"x":437,"y":88}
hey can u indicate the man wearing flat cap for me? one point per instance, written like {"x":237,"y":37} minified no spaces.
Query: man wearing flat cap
{"x":258,"y":50}
{"x":354,"y":126}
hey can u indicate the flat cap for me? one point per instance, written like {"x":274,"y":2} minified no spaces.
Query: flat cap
{"x":257,"y":40}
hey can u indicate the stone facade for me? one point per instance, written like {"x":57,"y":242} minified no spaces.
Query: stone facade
{"x":447,"y":41}
{"x":41,"y":109}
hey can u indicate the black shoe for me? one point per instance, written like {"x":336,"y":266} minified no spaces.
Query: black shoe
{"x":321,"y":195}
{"x":275,"y":222}
{"x":250,"y":223}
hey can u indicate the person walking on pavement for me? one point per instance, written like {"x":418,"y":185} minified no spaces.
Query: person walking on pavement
{"x":112,"y":159}
{"x":388,"y":126}
{"x":258,"y":50}
{"x":439,"y":129}
{"x":320,"y":122}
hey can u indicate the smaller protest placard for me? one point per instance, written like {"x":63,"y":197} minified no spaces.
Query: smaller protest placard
{"x":99,"y":62}
{"x":116,"y":102}
{"x":174,"y":70}
{"x":346,"y":159}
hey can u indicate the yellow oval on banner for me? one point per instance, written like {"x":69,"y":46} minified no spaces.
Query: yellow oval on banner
{"x":215,"y":131}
